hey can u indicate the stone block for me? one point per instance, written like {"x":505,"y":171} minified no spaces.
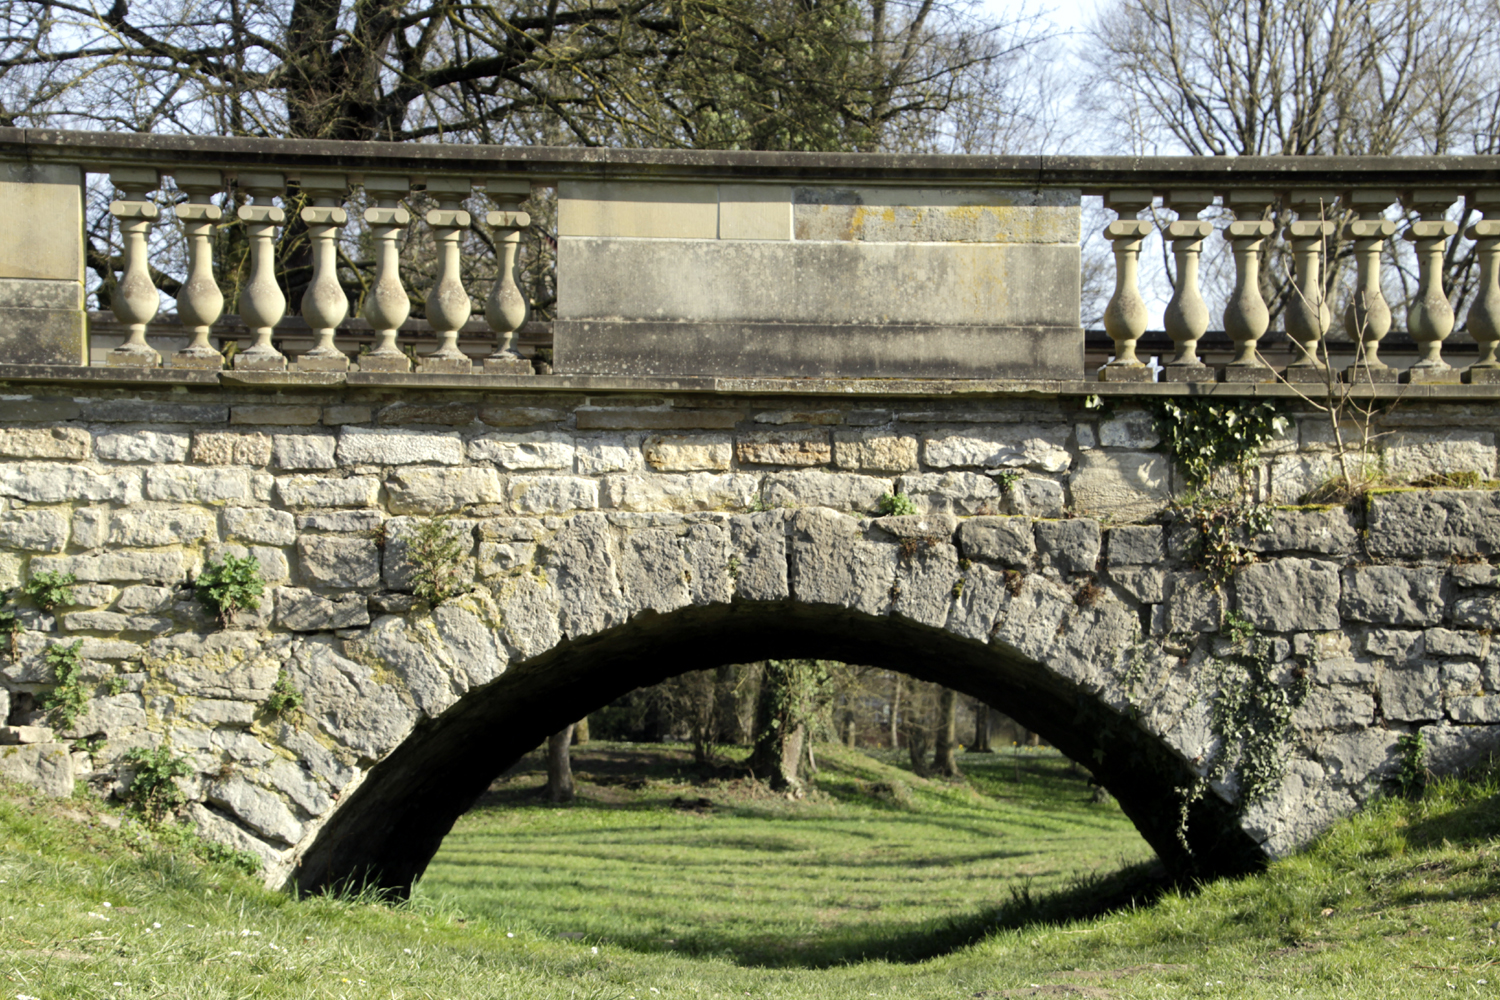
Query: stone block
{"x":1135,"y":430}
{"x":18,"y":735}
{"x":656,"y":420}
{"x":1069,"y":546}
{"x":142,"y":599}
{"x":432,"y":414}
{"x":318,"y":491}
{"x":1036,"y":497}
{"x":1459,"y":645}
{"x":398,"y":446}
{"x":1136,"y":545}
{"x":230,"y":448}
{"x":142,"y":446}
{"x":794,"y":447}
{"x":90,"y":527}
{"x":259,"y":525}
{"x":553,"y":494}
{"x":830,"y":562}
{"x":1411,"y":693}
{"x":1393,"y":595}
{"x":596,"y":456}
{"x":699,"y":491}
{"x":303,"y":611}
{"x":345,"y":521}
{"x":1192,"y":604}
{"x":34,"y":530}
{"x":755,"y":212}
{"x":145,"y":411}
{"x":113,"y":622}
{"x":117,"y":567}
{"x":1411,"y":455}
{"x":1452,"y":749}
{"x":1147,"y":584}
{"x":304,"y":451}
{"x":880,"y":214}
{"x":1292,"y":477}
{"x":873,"y":451}
{"x":1321,"y":531}
{"x":288,"y":415}
{"x":339,"y":563}
{"x":962,"y":493}
{"x":44,"y":442}
{"x":538,"y":450}
{"x":93,"y":595}
{"x":821,"y":418}
{"x":1400,"y":644}
{"x":1290,"y":595}
{"x":179,"y":484}
{"x":519,"y":416}
{"x":143,"y":527}
{"x":439,"y":490}
{"x":1337,"y":708}
{"x":1473,"y":575}
{"x":1484,"y":709}
{"x":1433,"y":524}
{"x":1006,"y":541}
{"x":1040,"y":447}
{"x":818,"y":488}
{"x":49,"y":482}
{"x":1121,"y":485}
{"x":638,"y":209}
{"x":42,"y":336}
{"x":497,"y":558}
{"x":260,"y":810}
{"x":687,"y":452}
{"x":336,"y":416}
{"x":42,"y":231}
{"x":47,"y":767}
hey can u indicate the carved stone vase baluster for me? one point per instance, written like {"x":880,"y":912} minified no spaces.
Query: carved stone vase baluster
{"x":1368,"y":318}
{"x":262,"y":304}
{"x":1186,"y":318}
{"x":200,"y":303}
{"x":448,"y":304}
{"x":1126,"y":316}
{"x":134,"y":298}
{"x":1430,"y":318}
{"x":1484,"y":315}
{"x":506,"y":308}
{"x":1307,"y":315}
{"x":386,"y":304}
{"x":1246,"y":317}
{"x":324,"y":304}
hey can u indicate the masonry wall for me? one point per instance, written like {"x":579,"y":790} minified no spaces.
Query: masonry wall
{"x":580,"y":512}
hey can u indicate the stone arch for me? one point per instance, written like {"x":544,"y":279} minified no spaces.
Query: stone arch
{"x":615,"y":601}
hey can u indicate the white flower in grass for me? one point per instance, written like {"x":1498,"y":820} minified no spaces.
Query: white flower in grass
{"x":23,"y":996}
{"x":595,"y":949}
{"x":509,"y":934}
{"x":156,"y":924}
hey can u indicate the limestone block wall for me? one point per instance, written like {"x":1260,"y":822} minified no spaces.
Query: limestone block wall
{"x":585,"y":516}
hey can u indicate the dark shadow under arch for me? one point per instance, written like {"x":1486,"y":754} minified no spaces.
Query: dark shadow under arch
{"x":391,"y":825}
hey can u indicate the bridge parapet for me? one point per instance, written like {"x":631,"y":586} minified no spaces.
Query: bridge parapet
{"x":687,"y":264}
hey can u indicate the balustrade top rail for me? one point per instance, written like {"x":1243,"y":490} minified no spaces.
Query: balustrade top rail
{"x":1092,"y":174}
{"x":738,"y":263}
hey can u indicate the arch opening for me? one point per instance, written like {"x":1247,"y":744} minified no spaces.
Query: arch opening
{"x":389,"y":827}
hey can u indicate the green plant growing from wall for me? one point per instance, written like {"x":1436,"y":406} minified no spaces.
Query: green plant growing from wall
{"x":1411,"y":776}
{"x":49,"y":590}
{"x":1205,"y":435}
{"x":230,"y":586}
{"x":437,"y":550}
{"x":153,"y":792}
{"x":11,"y":627}
{"x":895,"y":505}
{"x":284,"y":699}
{"x":66,"y":699}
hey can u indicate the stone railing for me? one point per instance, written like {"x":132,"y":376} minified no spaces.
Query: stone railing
{"x":673,"y":263}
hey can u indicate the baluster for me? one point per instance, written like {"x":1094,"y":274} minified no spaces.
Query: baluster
{"x":506,"y":307}
{"x":1430,"y":318}
{"x":1125,"y":317}
{"x":1368,"y":318}
{"x":262,"y":304}
{"x":1186,"y":318}
{"x":1484,"y":315}
{"x":1307,"y":315}
{"x":1246,"y":317}
{"x":386,"y":304}
{"x":135,"y":299}
{"x":324,"y":304}
{"x":200,"y":303}
{"x":448,"y":305}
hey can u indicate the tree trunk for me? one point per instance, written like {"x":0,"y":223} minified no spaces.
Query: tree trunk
{"x":779,"y":733}
{"x":850,"y":730}
{"x":728,"y":709}
{"x":916,"y":747}
{"x":559,"y":766}
{"x":944,"y":761}
{"x":983,"y":719}
{"x":895,"y":711}
{"x":581,"y":731}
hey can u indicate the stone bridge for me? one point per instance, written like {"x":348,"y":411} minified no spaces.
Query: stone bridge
{"x":618,"y":525}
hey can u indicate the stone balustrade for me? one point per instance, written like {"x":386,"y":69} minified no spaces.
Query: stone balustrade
{"x":727,"y":264}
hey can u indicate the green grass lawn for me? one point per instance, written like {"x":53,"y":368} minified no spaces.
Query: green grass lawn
{"x":1397,"y":902}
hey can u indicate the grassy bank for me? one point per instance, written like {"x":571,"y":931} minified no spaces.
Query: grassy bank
{"x":1399,"y":901}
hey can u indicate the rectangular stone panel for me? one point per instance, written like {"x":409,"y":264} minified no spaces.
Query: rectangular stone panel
{"x":941,"y":215}
{"x":638,"y":209}
{"x":755,"y":212}
{"x":42,"y":322}
{"x":824,"y":283}
{"x":41,"y":229}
